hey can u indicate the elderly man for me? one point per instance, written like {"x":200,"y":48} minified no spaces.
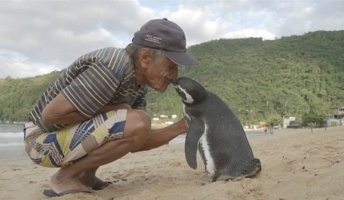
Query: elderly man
{"x":94,"y":113}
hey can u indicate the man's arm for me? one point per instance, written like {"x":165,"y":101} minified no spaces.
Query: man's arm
{"x":159,"y":137}
{"x":61,"y":111}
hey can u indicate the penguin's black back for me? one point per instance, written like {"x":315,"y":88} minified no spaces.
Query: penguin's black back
{"x":226,"y":136}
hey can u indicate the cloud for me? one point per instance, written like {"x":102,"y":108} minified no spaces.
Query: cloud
{"x":247,"y":33}
{"x":198,"y":24}
{"x":15,"y":63}
{"x":53,"y":34}
{"x":37,"y":36}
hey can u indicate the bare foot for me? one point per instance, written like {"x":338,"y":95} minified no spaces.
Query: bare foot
{"x":60,"y":184}
{"x":92,"y":181}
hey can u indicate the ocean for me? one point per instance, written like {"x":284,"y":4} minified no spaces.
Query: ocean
{"x":12,"y":145}
{"x":11,"y":142}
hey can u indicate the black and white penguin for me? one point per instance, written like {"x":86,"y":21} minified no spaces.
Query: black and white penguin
{"x":216,"y":132}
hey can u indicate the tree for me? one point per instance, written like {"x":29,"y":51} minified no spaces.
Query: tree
{"x":312,"y":118}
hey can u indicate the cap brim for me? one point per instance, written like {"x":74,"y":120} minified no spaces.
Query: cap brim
{"x":181,"y":58}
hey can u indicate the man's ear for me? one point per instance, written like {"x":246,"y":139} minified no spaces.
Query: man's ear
{"x":144,"y":57}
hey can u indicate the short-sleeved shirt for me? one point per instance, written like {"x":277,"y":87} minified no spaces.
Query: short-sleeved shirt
{"x":100,"y":78}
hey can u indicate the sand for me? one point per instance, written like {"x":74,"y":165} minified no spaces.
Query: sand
{"x":297,"y":164}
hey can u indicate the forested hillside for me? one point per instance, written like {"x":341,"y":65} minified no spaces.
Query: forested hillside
{"x":259,"y":80}
{"x":17,"y":96}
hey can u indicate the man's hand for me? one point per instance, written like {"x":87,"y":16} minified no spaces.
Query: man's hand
{"x":158,"y":137}
{"x":182,"y":125}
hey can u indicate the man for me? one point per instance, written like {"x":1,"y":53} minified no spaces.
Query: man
{"x":94,"y":113}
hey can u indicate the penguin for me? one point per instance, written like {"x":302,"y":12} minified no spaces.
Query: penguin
{"x":216,"y":133}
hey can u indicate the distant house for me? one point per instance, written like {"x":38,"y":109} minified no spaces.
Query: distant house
{"x":338,"y":113}
{"x":333,"y":122}
{"x":336,"y":118}
{"x":287,"y":120}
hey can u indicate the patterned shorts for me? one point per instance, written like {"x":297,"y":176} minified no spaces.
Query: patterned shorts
{"x":63,"y":147}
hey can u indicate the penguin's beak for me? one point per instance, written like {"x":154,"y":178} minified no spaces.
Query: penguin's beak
{"x":170,"y":78}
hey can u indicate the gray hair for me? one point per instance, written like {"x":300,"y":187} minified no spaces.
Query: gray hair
{"x":133,"y":50}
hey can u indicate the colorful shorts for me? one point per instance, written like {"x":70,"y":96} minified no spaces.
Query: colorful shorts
{"x":63,"y":147}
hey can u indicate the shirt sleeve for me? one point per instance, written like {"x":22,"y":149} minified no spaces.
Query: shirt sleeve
{"x":92,"y":89}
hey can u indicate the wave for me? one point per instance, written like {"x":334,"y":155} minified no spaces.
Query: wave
{"x":11,"y":135}
{"x":11,"y":144}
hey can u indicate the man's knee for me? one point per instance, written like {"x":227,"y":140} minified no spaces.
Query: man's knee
{"x":137,"y":126}
{"x":138,"y":119}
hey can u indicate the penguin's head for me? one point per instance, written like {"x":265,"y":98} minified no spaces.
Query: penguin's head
{"x":189,"y":90}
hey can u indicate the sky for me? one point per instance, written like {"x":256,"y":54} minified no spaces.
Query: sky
{"x":40,"y":36}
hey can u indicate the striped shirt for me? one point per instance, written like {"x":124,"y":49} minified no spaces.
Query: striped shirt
{"x":100,"y":78}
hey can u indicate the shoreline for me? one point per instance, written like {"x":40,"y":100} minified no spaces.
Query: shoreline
{"x":13,"y":148}
{"x":19,"y":149}
{"x":15,"y":152}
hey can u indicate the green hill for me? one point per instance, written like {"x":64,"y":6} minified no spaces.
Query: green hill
{"x":18,"y":96}
{"x":260,"y":80}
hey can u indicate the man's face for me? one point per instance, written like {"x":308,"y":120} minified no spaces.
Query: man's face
{"x":158,"y":70}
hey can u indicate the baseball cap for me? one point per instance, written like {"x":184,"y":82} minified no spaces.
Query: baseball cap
{"x":167,"y":36}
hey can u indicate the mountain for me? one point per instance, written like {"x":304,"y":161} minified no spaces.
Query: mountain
{"x":265,"y":80}
{"x":18,"y":96}
{"x":260,"y":80}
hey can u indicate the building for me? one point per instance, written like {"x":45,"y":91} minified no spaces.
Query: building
{"x":287,"y":120}
{"x":338,"y":113}
{"x":336,"y":118}
{"x":333,"y":122}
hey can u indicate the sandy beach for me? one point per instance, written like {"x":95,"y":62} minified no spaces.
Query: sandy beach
{"x":297,"y":164}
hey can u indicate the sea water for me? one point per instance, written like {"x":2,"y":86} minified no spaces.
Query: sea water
{"x":12,"y":142}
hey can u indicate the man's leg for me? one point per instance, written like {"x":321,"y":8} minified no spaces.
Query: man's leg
{"x":136,"y":132}
{"x":155,"y":139}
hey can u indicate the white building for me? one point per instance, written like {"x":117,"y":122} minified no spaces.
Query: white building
{"x":287,"y":120}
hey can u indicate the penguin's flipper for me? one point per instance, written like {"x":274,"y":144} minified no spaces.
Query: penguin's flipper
{"x":196,"y":130}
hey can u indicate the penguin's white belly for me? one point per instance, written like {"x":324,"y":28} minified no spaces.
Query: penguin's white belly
{"x":209,"y":161}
